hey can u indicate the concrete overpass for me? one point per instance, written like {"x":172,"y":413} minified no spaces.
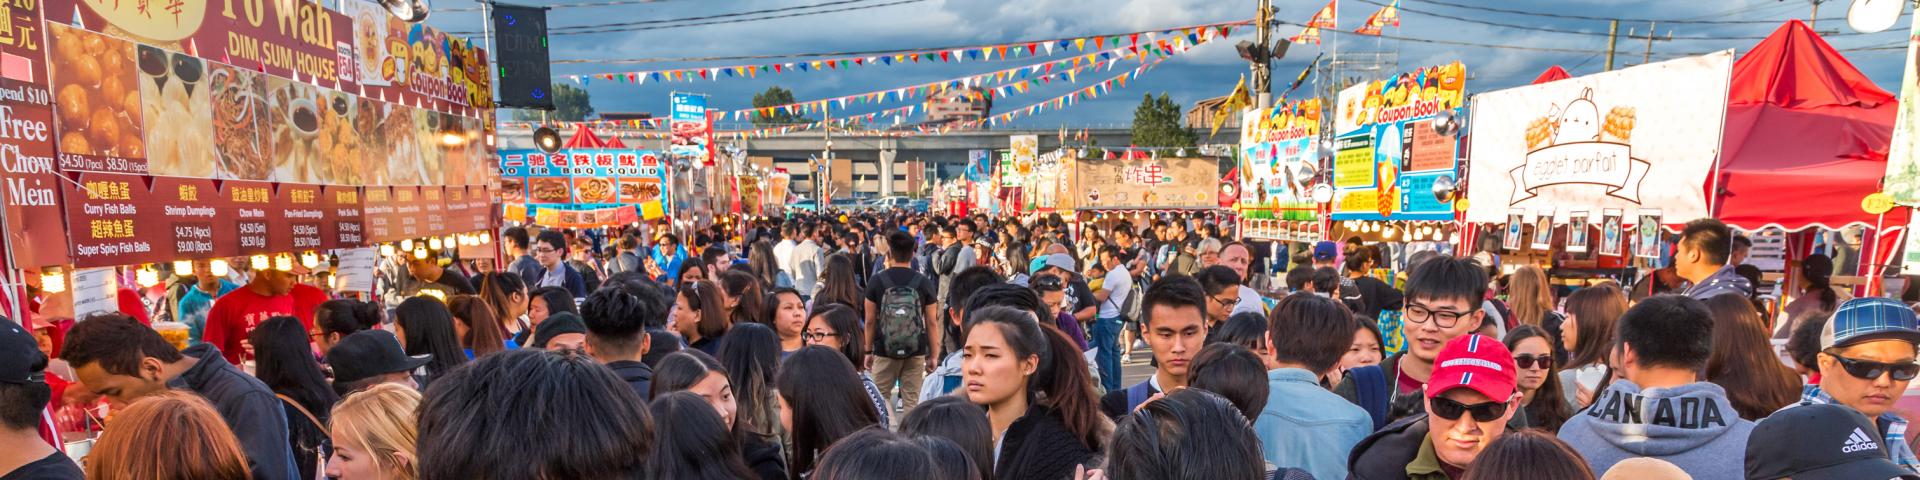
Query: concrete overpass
{"x":874,"y":155}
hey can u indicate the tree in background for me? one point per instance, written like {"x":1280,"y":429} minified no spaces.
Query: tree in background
{"x":570,"y":104}
{"x":1156,"y":123}
{"x":775,"y":96}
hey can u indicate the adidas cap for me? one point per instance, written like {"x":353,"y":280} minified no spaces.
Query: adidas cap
{"x":1818,"y":442}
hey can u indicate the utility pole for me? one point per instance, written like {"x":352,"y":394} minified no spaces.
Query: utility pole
{"x":1263,"y":69}
{"x":1613,"y":40}
{"x":1650,"y":37}
{"x":1814,"y":21}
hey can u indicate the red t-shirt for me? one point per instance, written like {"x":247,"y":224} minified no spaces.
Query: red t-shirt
{"x":235,"y":314}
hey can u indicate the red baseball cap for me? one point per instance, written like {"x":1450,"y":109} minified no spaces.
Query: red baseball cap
{"x":1473,"y":361}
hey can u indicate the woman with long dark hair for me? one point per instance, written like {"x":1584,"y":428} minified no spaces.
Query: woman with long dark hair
{"x":1742,"y":360}
{"x":836,"y":326}
{"x":699,"y":315}
{"x":1588,"y":338}
{"x":838,"y":285}
{"x":542,"y":303}
{"x":821,"y":402}
{"x":1816,"y":291}
{"x":746,"y":298}
{"x":479,"y":330}
{"x":1536,"y":378}
{"x":337,"y":318}
{"x":696,"y":372}
{"x":1037,"y":393}
{"x":952,"y":418}
{"x":506,"y":296}
{"x":425,"y":327}
{"x":284,"y":361}
{"x":761,"y":262}
{"x":788,"y":317}
{"x":692,"y":442}
{"x":751,"y":355}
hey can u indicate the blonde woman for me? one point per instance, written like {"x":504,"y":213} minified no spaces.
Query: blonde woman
{"x":171,"y":435}
{"x":373,"y":434}
{"x":1530,"y":297}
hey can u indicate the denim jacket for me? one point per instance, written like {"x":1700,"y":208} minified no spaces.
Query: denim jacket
{"x":1306,"y":426}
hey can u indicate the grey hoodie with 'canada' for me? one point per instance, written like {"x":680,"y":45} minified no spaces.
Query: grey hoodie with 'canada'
{"x":1693,"y":426}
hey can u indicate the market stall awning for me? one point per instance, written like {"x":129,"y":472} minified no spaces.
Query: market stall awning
{"x":1806,"y":138}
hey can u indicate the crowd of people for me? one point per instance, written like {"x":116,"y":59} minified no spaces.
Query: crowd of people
{"x":895,"y":345}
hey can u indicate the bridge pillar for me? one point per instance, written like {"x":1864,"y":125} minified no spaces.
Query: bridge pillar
{"x":887,"y":155}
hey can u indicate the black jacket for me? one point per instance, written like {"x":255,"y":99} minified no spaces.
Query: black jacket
{"x":1038,"y":446}
{"x":249,"y":408}
{"x":765,"y":458}
{"x":636,"y":374}
{"x":1385,"y":454}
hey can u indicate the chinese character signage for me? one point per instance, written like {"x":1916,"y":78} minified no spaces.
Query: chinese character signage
{"x":692,"y":134}
{"x":1146,"y":183}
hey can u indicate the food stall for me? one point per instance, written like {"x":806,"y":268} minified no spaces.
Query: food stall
{"x":148,"y":136}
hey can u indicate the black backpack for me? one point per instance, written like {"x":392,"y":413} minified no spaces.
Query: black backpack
{"x":903,"y":323}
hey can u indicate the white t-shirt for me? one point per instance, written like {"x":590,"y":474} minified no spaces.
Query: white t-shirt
{"x":1120,"y":283}
{"x":783,"y":254}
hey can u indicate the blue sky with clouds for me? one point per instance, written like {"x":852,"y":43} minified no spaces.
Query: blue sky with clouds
{"x":1208,"y":71}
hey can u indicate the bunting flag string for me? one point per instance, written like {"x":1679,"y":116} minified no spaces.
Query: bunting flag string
{"x":1388,"y":16}
{"x":997,"y":84}
{"x":1031,"y":49}
{"x":1056,"y":103}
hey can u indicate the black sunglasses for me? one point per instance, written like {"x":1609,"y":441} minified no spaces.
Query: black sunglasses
{"x":1526,"y":361}
{"x":1481,"y":412}
{"x":1871,"y":370}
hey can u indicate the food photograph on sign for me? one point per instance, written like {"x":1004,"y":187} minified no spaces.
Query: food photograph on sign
{"x":1610,"y":233}
{"x":1644,"y":137}
{"x":1395,"y":140}
{"x":1577,"y":231}
{"x":178,"y":108}
{"x":97,"y":95}
{"x":239,"y":108}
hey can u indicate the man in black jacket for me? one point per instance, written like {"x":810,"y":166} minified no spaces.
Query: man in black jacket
{"x":617,"y":323}
{"x":118,"y":358}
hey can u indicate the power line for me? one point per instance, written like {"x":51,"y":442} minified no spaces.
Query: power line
{"x":1522,"y":48}
{"x":1589,"y":17}
{"x":773,"y":13}
{"x":609,"y":3}
{"x":1573,"y":32}
{"x":1230,"y":23}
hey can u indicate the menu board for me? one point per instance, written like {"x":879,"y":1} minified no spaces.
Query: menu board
{"x":582,"y":177}
{"x":1387,"y":156}
{"x":343,"y":203}
{"x":197,"y":129}
{"x":35,"y":232}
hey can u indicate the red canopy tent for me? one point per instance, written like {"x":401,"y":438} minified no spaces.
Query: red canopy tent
{"x":1806,"y":139}
{"x":615,"y":142}
{"x":1553,"y":73}
{"x":584,"y":138}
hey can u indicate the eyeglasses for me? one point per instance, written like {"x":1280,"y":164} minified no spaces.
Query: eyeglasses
{"x":818,"y":336}
{"x":1481,"y":412}
{"x":1871,"y":370}
{"x":1545,"y":360}
{"x":1227,"y":301}
{"x":1417,"y":313}
{"x":544,"y":250}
